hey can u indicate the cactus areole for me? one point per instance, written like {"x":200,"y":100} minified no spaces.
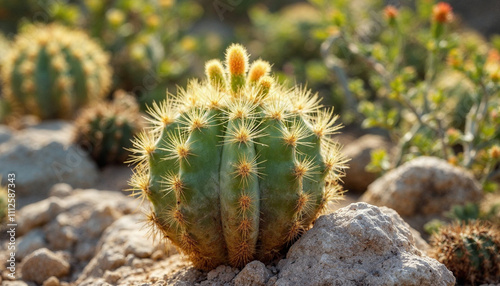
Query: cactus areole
{"x":237,"y":167}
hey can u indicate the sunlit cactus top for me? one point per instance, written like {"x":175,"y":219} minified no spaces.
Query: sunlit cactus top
{"x":237,"y":167}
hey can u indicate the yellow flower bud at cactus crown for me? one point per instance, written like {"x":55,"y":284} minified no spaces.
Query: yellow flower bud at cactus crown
{"x":237,"y":65}
{"x":237,"y":59}
{"x":258,"y":69}
{"x":215,"y":72}
{"x":266,"y":82}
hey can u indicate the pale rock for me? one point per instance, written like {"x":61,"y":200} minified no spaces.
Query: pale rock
{"x":254,"y":273}
{"x":100,"y":219}
{"x":420,"y":243}
{"x":52,"y":281}
{"x":42,"y":264}
{"x":222,"y":274}
{"x":61,"y":233}
{"x":30,"y":242}
{"x":111,"y":277}
{"x":16,"y":283}
{"x":186,"y":276}
{"x":124,"y":240}
{"x":44,"y":155}
{"x":60,"y":190}
{"x":5,"y":134}
{"x":38,"y":214}
{"x":78,"y":209}
{"x":360,"y":245}
{"x":85,"y":250}
{"x":423,"y":186}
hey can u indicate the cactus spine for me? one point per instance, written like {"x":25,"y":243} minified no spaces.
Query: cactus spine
{"x":51,"y":71}
{"x":470,"y":250}
{"x":237,"y":167}
{"x":106,"y":129}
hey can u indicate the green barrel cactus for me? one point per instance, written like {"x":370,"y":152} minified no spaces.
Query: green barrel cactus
{"x":470,"y":250}
{"x":4,"y":198}
{"x":107,"y":129}
{"x":51,"y":71}
{"x":237,"y":167}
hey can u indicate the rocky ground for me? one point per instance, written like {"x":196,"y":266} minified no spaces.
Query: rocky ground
{"x":69,"y":234}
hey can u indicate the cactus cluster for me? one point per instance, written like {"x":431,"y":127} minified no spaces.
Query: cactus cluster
{"x":470,"y":250}
{"x":51,"y":71}
{"x":107,"y":129}
{"x":237,"y":167}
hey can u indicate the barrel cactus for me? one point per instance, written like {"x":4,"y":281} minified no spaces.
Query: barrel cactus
{"x":237,"y":167}
{"x":470,"y":250}
{"x":4,"y":198}
{"x":51,"y":71}
{"x":106,"y":129}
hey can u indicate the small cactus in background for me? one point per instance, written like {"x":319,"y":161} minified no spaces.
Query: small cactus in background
{"x":5,"y":109}
{"x":237,"y":167}
{"x":3,"y":203}
{"x":470,"y":250}
{"x":51,"y":71}
{"x":106,"y":129}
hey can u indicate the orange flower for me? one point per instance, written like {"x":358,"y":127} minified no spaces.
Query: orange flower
{"x":454,"y":59}
{"x":493,"y":56}
{"x":495,"y":152}
{"x":453,"y":161}
{"x":442,"y":12}
{"x":391,"y":12}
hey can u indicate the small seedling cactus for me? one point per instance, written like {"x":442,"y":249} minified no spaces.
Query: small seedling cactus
{"x":237,"y":167}
{"x":470,"y":250}
{"x":51,"y":71}
{"x":106,"y":129}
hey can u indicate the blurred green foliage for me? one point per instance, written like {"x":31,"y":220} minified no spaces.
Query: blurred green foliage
{"x":151,"y":42}
{"x":431,"y":83}
{"x":390,"y":69}
{"x":287,"y":37}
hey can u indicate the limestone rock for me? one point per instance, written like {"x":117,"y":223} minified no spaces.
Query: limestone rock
{"x":30,"y":242}
{"x":360,"y":245}
{"x":124,"y":237}
{"x":38,"y":214}
{"x":254,"y":273}
{"x":77,"y":209}
{"x":423,"y":186}
{"x":52,"y":281}
{"x":60,"y":190}
{"x":42,"y":264}
{"x":420,"y":243}
{"x":5,"y":134}
{"x":42,"y":156}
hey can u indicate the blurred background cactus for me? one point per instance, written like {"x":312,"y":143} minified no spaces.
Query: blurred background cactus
{"x":144,"y":50}
{"x":51,"y":71}
{"x":470,"y":250}
{"x":14,"y":13}
{"x":3,"y":203}
{"x":237,"y":167}
{"x":106,"y":129}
